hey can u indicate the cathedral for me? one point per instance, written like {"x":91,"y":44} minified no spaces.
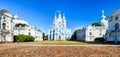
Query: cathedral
{"x":59,"y":31}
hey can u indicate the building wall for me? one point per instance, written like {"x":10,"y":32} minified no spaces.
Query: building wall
{"x":91,"y":32}
{"x":112,"y":33}
{"x":37,"y":34}
{"x":5,"y":26}
{"x":9,"y":30}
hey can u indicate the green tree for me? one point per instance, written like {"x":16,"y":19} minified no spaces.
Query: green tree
{"x":23,"y":38}
{"x":43,"y":35}
{"x":96,"y":24}
{"x":20,"y":24}
{"x":74,"y":36}
{"x":46,"y":37}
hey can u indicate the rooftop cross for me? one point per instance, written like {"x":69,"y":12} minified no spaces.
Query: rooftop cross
{"x":102,"y":12}
{"x":59,"y":15}
{"x":103,"y":17}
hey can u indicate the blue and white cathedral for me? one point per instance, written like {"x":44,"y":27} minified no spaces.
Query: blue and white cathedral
{"x":58,"y":30}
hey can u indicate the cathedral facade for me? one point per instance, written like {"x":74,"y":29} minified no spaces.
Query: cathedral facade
{"x":59,"y":31}
{"x":113,"y":32}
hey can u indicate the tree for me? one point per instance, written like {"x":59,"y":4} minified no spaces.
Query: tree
{"x":43,"y":35}
{"x":96,"y":24}
{"x":74,"y":35}
{"x":23,"y":38}
{"x":46,"y":37}
{"x":20,"y":24}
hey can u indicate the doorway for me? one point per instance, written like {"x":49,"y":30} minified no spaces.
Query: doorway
{"x":59,"y":38}
{"x":116,"y":39}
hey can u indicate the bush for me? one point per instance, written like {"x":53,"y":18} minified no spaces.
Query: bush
{"x":29,"y":38}
{"x":101,"y":39}
{"x":96,"y":24}
{"x":74,"y":36}
{"x":20,"y":24}
{"x":23,"y":38}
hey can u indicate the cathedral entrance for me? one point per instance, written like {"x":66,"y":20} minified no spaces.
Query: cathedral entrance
{"x":116,"y":39}
{"x":59,"y":38}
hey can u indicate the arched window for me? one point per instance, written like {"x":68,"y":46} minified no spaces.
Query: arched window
{"x":90,"y":33}
{"x":29,"y":34}
{"x":3,"y":17}
{"x":116,"y":18}
{"x":5,"y":38}
{"x":116,"y":26}
{"x":4,"y":26}
{"x":100,"y":34}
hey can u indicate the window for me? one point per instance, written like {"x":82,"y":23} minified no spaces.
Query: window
{"x":100,"y":34}
{"x":115,"y":37}
{"x":59,"y":25}
{"x":3,"y":17}
{"x":29,"y":34}
{"x":110,"y":19}
{"x":4,"y":26}
{"x":106,"y":33}
{"x":90,"y":29}
{"x":116,"y":18}
{"x":4,"y":38}
{"x":116,"y":26}
{"x":90,"y":33}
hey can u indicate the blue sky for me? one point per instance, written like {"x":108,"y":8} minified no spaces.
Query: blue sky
{"x":79,"y":13}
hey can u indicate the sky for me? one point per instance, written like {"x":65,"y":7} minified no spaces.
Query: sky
{"x":79,"y":13}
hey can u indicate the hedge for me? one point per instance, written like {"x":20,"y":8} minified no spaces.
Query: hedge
{"x":96,"y":24}
{"x":23,"y":38}
{"x":20,"y":24}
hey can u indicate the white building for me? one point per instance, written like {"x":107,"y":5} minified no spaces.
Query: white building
{"x":113,"y":32}
{"x":26,"y":30}
{"x":8,"y":28}
{"x":59,"y":31}
{"x":31,"y":31}
{"x":91,"y":32}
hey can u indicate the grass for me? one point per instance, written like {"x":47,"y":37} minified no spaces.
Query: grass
{"x":59,"y":43}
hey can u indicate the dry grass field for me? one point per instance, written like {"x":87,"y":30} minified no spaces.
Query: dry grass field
{"x":59,"y":43}
{"x":22,"y":50}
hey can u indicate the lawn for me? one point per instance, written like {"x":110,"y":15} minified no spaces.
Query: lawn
{"x":59,"y":43}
